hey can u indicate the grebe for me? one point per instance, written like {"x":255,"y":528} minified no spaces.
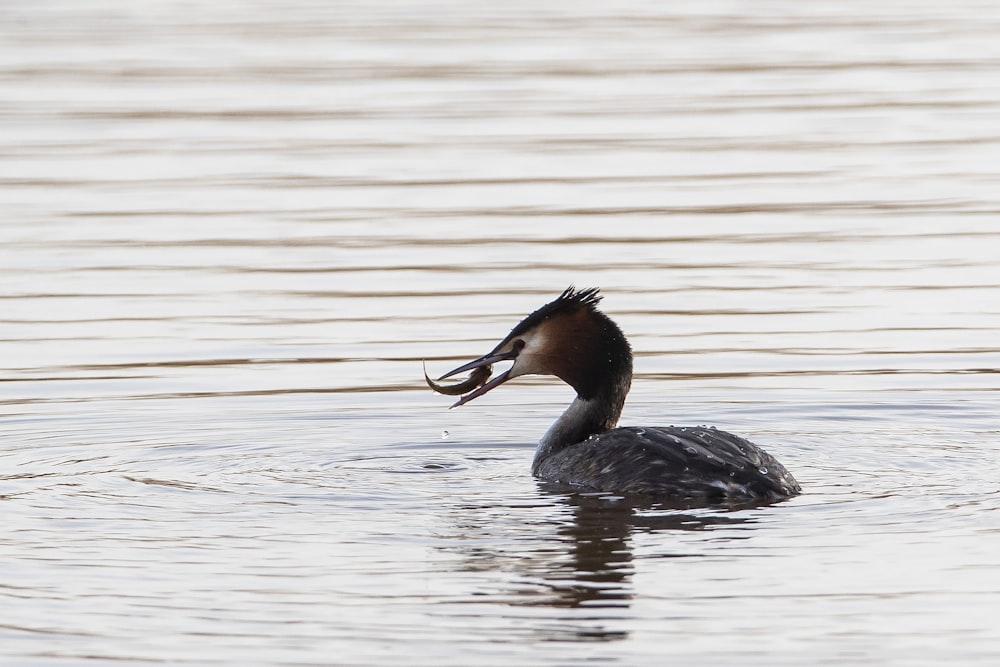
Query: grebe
{"x":573,"y":340}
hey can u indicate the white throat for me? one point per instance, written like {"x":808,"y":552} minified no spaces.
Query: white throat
{"x":582,"y":419}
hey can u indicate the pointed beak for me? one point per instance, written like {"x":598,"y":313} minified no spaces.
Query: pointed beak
{"x":487,"y":360}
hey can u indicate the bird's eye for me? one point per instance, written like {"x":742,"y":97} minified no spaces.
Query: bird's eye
{"x":518,"y":345}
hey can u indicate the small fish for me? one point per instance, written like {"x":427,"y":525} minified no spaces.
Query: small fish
{"x":477,"y":378}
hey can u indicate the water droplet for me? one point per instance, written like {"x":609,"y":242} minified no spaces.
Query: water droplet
{"x":691,"y":450}
{"x":732,"y":473}
{"x":713,"y":428}
{"x":762,"y":471}
{"x":640,"y":431}
{"x":444,"y":435}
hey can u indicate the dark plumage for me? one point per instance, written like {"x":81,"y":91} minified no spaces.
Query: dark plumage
{"x":573,"y":340}
{"x":699,"y":466}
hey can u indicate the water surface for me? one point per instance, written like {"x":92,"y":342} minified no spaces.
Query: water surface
{"x":232,"y":233}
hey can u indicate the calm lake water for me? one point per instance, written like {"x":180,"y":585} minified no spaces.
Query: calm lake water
{"x":231,"y":232}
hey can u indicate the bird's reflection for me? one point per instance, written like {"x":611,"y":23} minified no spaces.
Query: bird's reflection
{"x":600,"y":543}
{"x":587,"y":561}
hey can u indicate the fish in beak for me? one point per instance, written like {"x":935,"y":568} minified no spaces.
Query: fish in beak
{"x":537,"y":345}
{"x":482,"y":369}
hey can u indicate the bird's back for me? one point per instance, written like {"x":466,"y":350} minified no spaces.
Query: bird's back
{"x":692,"y":465}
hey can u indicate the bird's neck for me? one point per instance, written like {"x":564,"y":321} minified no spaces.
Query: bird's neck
{"x":601,"y":384}
{"x":585,"y":417}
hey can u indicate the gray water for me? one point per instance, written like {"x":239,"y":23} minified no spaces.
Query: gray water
{"x":231,"y":232}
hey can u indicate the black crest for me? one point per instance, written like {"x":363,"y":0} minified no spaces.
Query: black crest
{"x":570,"y":298}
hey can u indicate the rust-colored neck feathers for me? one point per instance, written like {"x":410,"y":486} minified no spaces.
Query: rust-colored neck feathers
{"x":587,"y":351}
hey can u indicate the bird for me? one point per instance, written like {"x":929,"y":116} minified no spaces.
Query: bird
{"x":573,"y":340}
